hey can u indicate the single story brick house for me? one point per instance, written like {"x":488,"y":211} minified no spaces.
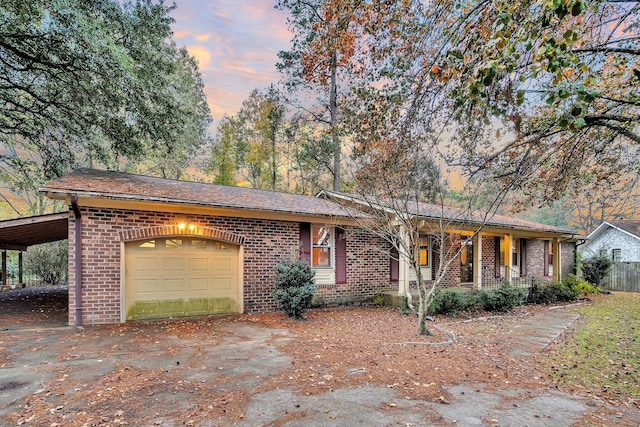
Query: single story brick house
{"x":142,"y":247}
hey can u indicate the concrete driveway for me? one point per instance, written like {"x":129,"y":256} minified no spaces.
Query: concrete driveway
{"x":211,"y":372}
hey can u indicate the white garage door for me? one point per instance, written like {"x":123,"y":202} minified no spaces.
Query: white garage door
{"x":180,"y":276}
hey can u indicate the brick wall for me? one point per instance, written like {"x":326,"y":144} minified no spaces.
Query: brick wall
{"x":489,"y":258}
{"x":535,"y":258}
{"x":452,"y":275}
{"x":568,"y":255}
{"x":266,"y":243}
{"x":368,"y":270}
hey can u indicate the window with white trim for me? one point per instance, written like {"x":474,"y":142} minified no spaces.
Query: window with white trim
{"x":321,"y":246}
{"x":616,"y":255}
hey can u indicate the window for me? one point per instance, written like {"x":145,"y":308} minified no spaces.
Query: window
{"x":515,"y":252}
{"x":424,"y":251}
{"x":221,"y":247}
{"x":321,"y":246}
{"x":199,"y":244}
{"x":616,"y":255}
{"x":147,"y":244}
{"x":603,"y":252}
{"x":173,"y":243}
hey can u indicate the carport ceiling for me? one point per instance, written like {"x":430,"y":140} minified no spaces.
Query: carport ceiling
{"x":18,"y":234}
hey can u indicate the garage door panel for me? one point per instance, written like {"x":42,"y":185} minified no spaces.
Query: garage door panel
{"x":147,"y":286}
{"x":199,"y":264}
{"x":198,"y":285}
{"x":174,"y":285}
{"x":145,"y":264}
{"x":223,"y":305}
{"x":174,"y":264}
{"x":223,"y":265}
{"x":222,"y":285}
{"x":184,"y":280}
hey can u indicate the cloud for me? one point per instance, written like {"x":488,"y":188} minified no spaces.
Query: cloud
{"x":236,"y":43}
{"x":202,"y":54}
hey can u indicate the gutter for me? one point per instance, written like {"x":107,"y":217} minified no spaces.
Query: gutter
{"x":78,"y":260}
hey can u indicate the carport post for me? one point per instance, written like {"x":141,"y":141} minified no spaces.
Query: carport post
{"x":20,"y":272}
{"x":4,"y":269}
{"x":77,"y":228}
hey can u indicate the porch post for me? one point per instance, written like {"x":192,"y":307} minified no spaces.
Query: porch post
{"x":403,"y":267}
{"x":557,"y":268}
{"x":477,"y":261}
{"x":508,"y":257}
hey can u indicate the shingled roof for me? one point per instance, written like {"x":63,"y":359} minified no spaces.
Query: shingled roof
{"x":631,"y":226}
{"x":123,"y":186}
{"x":430,"y":211}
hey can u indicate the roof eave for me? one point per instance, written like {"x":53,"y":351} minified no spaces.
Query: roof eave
{"x":58,"y":194}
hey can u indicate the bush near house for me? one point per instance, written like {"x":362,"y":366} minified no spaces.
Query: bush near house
{"x":595,"y":269}
{"x":581,"y":286}
{"x":551,"y":292}
{"x":506,"y":297}
{"x":294,"y":287}
{"x":502,"y":299}
{"x":452,"y":301}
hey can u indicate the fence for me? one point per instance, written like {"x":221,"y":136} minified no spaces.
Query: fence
{"x":492,"y":280}
{"x":624,"y":276}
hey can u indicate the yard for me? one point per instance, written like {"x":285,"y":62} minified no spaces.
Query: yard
{"x":212,"y":370}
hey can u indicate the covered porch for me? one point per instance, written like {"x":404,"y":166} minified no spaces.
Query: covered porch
{"x":490,"y":258}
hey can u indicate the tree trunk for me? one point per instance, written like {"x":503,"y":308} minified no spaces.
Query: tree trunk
{"x":426,"y":296}
{"x":333,"y":113}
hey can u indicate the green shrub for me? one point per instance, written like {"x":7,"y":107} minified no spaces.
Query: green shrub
{"x":294,"y":287}
{"x":49,"y":261}
{"x":452,"y":301}
{"x":580,"y":286}
{"x":595,"y":269}
{"x":549,"y":293}
{"x":502,"y":299}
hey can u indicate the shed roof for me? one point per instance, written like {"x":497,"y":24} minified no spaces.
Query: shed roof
{"x":20,"y":233}
{"x":629,"y":226}
{"x":125,"y":186}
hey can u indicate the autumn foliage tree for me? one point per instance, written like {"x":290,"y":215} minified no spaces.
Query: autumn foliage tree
{"x":323,"y":58}
{"x":562,"y":76}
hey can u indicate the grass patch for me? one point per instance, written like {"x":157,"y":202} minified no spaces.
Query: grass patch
{"x":602,"y":355}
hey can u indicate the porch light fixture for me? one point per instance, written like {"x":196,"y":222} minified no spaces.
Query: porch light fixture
{"x":182,"y":226}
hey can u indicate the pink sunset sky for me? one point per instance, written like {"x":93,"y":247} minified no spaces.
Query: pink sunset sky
{"x":236,"y":43}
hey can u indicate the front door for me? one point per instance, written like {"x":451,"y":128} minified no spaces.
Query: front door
{"x":466,"y":262}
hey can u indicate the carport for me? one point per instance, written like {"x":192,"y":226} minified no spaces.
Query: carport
{"x":18,"y":234}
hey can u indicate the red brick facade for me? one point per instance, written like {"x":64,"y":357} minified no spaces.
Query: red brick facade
{"x":266,"y":242}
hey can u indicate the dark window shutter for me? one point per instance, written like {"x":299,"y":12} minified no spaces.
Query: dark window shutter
{"x":305,"y":241}
{"x":394,"y":266}
{"x":341,"y":256}
{"x":496,"y":265}
{"x":546,"y":257}
{"x":523,"y":257}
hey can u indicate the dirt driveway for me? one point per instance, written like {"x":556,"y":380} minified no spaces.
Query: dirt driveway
{"x":343,"y":366}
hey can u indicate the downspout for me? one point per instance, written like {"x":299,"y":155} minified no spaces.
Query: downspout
{"x":78,"y":260}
